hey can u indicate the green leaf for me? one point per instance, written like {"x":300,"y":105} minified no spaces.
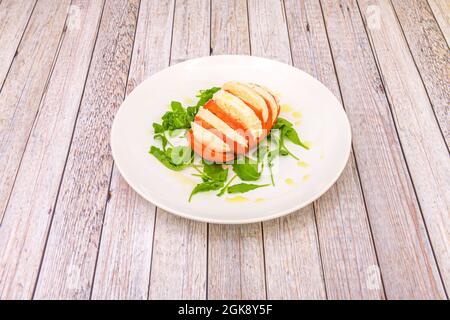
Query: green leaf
{"x":244,"y":187}
{"x":215,"y":172}
{"x":206,"y":95}
{"x":247,"y":171}
{"x":158,"y":128}
{"x":163,"y":157}
{"x":191,"y":112}
{"x":176,"y":132}
{"x":163,"y":138}
{"x":206,"y":186}
{"x":282,"y":123}
{"x":292,"y":135}
{"x":224,"y":189}
{"x":179,"y":155}
{"x":288,"y":131}
{"x":176,"y":106}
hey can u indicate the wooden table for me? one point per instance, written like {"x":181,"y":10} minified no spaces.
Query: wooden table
{"x":71,"y":228}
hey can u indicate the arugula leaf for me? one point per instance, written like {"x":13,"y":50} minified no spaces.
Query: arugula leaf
{"x":163,"y":138}
{"x":206,"y":95}
{"x":288,"y":131}
{"x":247,"y":171}
{"x":165,"y":158}
{"x":215,"y":172}
{"x":177,"y":106}
{"x":179,"y":155}
{"x":244,"y":187}
{"x":158,"y":128}
{"x":281,"y":122}
{"x":191,"y":112}
{"x":173,"y":120}
{"x":206,"y":186}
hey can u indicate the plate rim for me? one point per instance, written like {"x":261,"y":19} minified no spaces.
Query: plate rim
{"x":240,"y":221}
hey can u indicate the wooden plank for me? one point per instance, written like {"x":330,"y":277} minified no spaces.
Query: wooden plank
{"x":293,"y":267}
{"x":24,"y":86}
{"x":441,"y":11}
{"x":431,"y":55}
{"x":425,"y":149}
{"x":14,"y":16}
{"x":29,"y":212}
{"x":346,"y":245}
{"x":241,"y":246}
{"x":123,"y":267}
{"x":406,"y":260}
{"x":69,"y":262}
{"x":179,"y":264}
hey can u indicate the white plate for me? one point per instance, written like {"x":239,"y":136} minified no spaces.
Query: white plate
{"x":317,"y":114}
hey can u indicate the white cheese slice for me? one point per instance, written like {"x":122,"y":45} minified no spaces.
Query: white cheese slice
{"x":221,"y":126}
{"x":209,"y":139}
{"x":267,"y":95}
{"x":248,"y":95}
{"x":238,"y":110}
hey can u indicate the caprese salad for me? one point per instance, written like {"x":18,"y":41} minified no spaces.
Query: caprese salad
{"x":235,"y":127}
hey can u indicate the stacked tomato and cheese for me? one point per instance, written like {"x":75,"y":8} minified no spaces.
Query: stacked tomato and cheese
{"x":235,"y":120}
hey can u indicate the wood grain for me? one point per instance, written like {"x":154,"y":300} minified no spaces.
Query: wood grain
{"x":14,"y":16}
{"x":179,"y":264}
{"x":346,"y":245}
{"x":406,"y":260}
{"x":241,"y":246}
{"x":441,"y":11}
{"x":425,"y":150}
{"x":29,"y":212}
{"x":24,"y":86}
{"x":71,"y":252}
{"x":293,"y":267}
{"x":431,"y":55}
{"x":123,"y":267}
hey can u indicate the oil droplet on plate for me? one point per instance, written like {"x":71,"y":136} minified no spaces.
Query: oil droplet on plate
{"x":188,"y":101}
{"x":306,"y":177}
{"x":237,"y":199}
{"x":260,"y":200}
{"x":297,"y":123}
{"x":297,"y":114}
{"x":289,"y":181}
{"x":303,"y":164}
{"x":286,"y":108}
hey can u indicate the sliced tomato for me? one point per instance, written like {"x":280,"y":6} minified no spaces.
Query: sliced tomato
{"x":236,"y":147}
{"x":206,"y":152}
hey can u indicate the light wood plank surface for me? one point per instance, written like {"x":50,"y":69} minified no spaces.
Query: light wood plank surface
{"x":293,"y":267}
{"x":346,"y":245}
{"x":26,"y":223}
{"x":179,"y":265}
{"x":23,"y":88}
{"x":14,"y":17}
{"x":71,"y":252}
{"x":431,"y":55}
{"x":123,"y":267}
{"x":441,"y":11}
{"x":425,"y":150}
{"x":242,"y":276}
{"x":406,"y":260}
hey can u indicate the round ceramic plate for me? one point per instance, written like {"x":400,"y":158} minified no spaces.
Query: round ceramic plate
{"x":316,"y":114}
